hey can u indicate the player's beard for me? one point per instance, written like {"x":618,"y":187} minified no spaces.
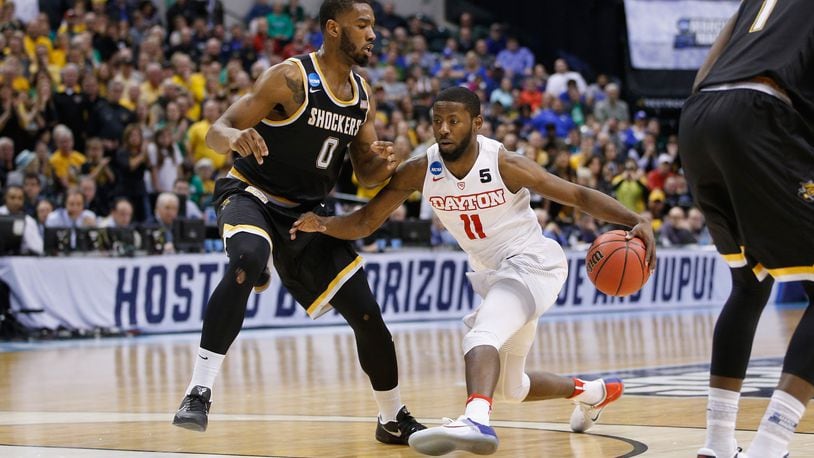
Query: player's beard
{"x":455,"y":154}
{"x":358,"y":56}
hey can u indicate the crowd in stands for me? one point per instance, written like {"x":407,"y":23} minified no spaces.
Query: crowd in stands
{"x":105,"y":104}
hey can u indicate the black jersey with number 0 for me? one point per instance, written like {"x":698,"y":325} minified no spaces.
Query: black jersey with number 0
{"x":307,"y":149}
{"x":772,"y":38}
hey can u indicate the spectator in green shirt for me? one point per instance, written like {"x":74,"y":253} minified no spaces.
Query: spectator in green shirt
{"x":281,"y":27}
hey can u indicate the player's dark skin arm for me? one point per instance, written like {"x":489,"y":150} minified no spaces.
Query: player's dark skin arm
{"x":519,"y":171}
{"x":715,"y":51}
{"x":408,"y":178}
{"x":373,"y":161}
{"x":277,"y":94}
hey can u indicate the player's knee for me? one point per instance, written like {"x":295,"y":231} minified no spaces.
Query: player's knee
{"x":373,"y":322}
{"x":477,"y":337}
{"x":368,"y":323}
{"x":248,"y":255}
{"x":745,"y":282}
{"x":512,"y":390}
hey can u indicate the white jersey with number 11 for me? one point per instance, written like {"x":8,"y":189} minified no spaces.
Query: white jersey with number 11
{"x":489,"y":222}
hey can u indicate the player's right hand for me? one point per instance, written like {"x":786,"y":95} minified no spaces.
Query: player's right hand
{"x":248,"y":142}
{"x":644,"y":230}
{"x":307,"y":222}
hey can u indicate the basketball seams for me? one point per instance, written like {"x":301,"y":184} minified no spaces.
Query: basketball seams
{"x":605,"y":242}
{"x":624,"y":268}
{"x":598,"y":269}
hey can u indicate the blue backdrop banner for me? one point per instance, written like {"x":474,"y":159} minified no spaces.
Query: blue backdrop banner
{"x":169,"y":293}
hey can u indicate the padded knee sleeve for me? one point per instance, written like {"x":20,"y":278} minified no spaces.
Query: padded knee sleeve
{"x":226,"y":308}
{"x":478,"y":336}
{"x":248,"y":253}
{"x":514,"y":384}
{"x":512,"y":390}
{"x":506,"y":308}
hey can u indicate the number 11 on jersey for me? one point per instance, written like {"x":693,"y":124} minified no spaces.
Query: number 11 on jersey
{"x":473,"y":226}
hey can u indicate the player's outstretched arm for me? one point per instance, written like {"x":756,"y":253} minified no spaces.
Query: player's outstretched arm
{"x":278,"y":90}
{"x":374,"y":160}
{"x":519,"y":171}
{"x":408,"y":178}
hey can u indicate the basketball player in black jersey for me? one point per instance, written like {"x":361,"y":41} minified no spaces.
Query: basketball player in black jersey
{"x":747,"y":145}
{"x":291,"y":132}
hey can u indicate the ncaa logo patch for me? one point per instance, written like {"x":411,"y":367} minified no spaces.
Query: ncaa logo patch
{"x":313,"y":80}
{"x":806,"y":191}
{"x":436,"y":168}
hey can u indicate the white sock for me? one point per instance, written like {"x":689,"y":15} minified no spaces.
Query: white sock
{"x":478,"y":409}
{"x":722,"y":413}
{"x":389,"y":403}
{"x":777,"y":426}
{"x":588,"y":392}
{"x":207,"y":367}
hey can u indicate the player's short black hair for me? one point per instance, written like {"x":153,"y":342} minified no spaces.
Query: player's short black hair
{"x":460,"y":95}
{"x":330,"y":9}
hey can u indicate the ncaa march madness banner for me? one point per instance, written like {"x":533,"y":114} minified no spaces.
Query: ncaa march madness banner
{"x":674,"y":34}
{"x":169,"y":293}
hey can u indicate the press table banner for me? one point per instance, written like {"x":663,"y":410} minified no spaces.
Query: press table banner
{"x":674,"y":34}
{"x":169,"y":293}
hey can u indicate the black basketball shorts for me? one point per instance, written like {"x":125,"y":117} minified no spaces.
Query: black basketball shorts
{"x":749,"y":161}
{"x":312,"y":267}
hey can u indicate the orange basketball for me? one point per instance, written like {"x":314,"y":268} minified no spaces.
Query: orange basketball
{"x":616,"y":266}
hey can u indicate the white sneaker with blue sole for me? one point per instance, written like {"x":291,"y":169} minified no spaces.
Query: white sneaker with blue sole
{"x":461,"y":434}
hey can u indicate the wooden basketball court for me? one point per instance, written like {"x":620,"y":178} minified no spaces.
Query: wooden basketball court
{"x":300,"y":392}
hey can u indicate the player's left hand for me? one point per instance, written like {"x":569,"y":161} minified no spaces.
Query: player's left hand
{"x":387,"y":151}
{"x":307,"y":222}
{"x":644,"y":230}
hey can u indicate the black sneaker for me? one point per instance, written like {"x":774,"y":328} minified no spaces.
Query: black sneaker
{"x":194,"y":409}
{"x":398,"y":431}
{"x":263,"y":282}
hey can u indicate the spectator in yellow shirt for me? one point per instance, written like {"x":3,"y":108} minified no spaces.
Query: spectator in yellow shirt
{"x":13,"y":72}
{"x":151,"y":87}
{"x":630,"y":187}
{"x":192,"y":81}
{"x":66,"y":163}
{"x":36,"y":34}
{"x":59,"y":55}
{"x":73,"y":23}
{"x":196,"y":136}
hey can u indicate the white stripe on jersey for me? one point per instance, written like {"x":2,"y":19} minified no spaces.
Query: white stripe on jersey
{"x":489,"y":222}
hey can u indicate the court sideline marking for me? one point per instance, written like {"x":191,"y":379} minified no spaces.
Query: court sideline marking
{"x":10,"y":418}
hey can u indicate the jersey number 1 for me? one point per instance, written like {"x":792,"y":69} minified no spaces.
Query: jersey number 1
{"x":473,"y":227}
{"x":327,"y":152}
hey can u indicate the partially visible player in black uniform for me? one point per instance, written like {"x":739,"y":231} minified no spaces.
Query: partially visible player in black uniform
{"x":747,"y":145}
{"x":292,"y":132}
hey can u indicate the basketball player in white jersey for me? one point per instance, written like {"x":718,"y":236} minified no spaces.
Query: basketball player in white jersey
{"x":480,"y":192}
